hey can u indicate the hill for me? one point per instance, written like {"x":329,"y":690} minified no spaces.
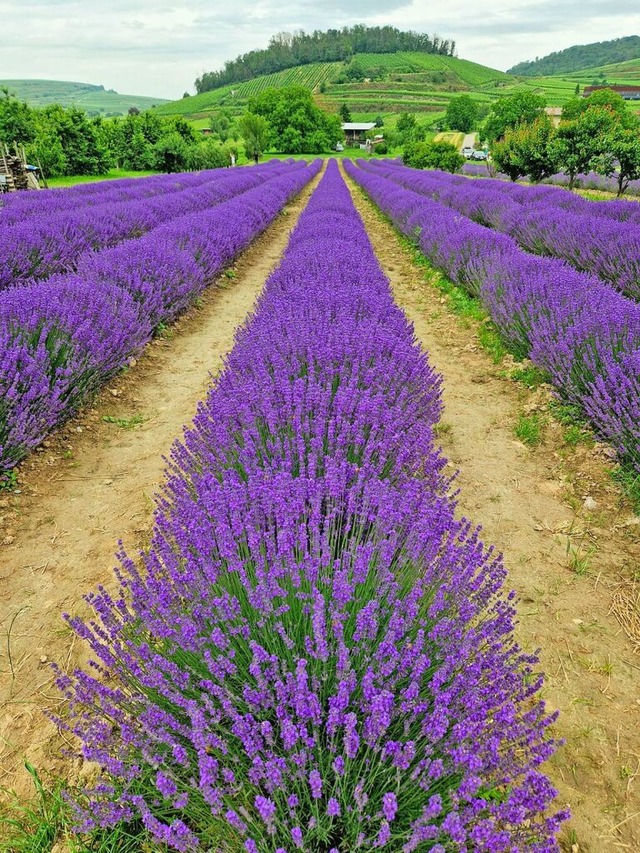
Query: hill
{"x":95,"y":100}
{"x":580,"y":57}
{"x":289,"y":50}
{"x":371,"y":84}
{"x":559,"y":88}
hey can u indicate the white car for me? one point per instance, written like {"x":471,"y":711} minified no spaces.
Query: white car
{"x":467,"y":152}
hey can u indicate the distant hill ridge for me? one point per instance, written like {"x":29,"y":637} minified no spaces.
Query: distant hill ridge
{"x":93,"y":98}
{"x":580,"y":57}
{"x":289,"y":50}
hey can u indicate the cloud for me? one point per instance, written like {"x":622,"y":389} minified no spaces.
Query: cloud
{"x":159,"y":47}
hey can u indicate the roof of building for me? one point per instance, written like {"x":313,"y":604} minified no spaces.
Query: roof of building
{"x":358,"y":125}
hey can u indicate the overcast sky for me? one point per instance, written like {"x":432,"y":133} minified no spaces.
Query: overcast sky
{"x":158,"y":48}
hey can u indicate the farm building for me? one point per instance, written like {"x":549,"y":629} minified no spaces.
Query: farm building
{"x":629,"y":93}
{"x":555,"y":114}
{"x":354,"y":131}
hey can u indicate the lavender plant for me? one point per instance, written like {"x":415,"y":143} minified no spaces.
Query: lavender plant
{"x":569,"y":323}
{"x":544,"y":220}
{"x":57,"y":233}
{"x":64,"y":337}
{"x":314,"y":654}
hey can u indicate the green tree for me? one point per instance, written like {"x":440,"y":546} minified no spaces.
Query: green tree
{"x":17,"y":121}
{"x":432,"y":155}
{"x":462,"y":114}
{"x":78,"y":137}
{"x":208,"y":154}
{"x":345,"y":112}
{"x":47,"y":151}
{"x":172,"y":153}
{"x":527,"y":150}
{"x":581,"y":145}
{"x":297,"y":125}
{"x":504,"y":156}
{"x":379,"y":121}
{"x":255,"y":131}
{"x":507,"y":112}
{"x":623,"y":149}
{"x":604,"y":99}
{"x":220,"y":124}
{"x":140,"y":154}
{"x":408,"y":128}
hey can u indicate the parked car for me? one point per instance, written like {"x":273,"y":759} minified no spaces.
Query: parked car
{"x":467,"y":152}
{"x":479,"y":155}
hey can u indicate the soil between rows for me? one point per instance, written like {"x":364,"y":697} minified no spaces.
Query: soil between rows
{"x":94,"y":483}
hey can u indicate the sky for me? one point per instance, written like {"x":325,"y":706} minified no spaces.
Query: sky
{"x":159,"y":47}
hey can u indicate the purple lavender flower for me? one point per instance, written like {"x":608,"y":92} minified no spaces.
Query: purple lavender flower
{"x":315,"y":783}
{"x":579,"y":329}
{"x":389,"y":805}
{"x":310,"y":595}
{"x":333,"y":807}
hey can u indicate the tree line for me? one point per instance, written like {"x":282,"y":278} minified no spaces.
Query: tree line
{"x":581,"y":56}
{"x":598,"y":134}
{"x":288,"y":50}
{"x":66,"y":141}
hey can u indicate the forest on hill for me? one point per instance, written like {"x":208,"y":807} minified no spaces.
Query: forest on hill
{"x":288,"y":50}
{"x":581,"y":56}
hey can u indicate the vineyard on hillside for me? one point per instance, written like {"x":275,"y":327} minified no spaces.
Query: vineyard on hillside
{"x":410,"y":82}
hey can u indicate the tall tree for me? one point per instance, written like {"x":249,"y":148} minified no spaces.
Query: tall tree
{"x":17,"y":121}
{"x":623,"y":147}
{"x":254,"y":129}
{"x":462,"y":114}
{"x":527,"y":150}
{"x":297,"y":125}
{"x":581,"y":145}
{"x":520,"y":108}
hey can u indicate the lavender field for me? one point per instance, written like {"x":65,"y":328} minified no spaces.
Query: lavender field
{"x":308,"y":643}
{"x":93,"y":294}
{"x":583,"y":330}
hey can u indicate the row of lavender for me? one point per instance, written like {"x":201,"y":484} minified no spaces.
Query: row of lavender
{"x":589,"y":181}
{"x":62,"y":338}
{"x":315,"y":653}
{"x":18,"y":207}
{"x":53,"y":239}
{"x":602,"y":238}
{"x":571,"y":324}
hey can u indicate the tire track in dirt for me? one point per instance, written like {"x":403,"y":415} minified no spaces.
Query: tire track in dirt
{"x":93,"y":483}
{"x":531,"y":506}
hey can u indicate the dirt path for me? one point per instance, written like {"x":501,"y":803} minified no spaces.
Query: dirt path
{"x":92,"y":484}
{"x":568,"y":540}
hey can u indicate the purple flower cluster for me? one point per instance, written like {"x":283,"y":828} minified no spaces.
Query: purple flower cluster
{"x":594,"y":181}
{"x":590,"y":181}
{"x":602,"y":238}
{"x":314,"y":653}
{"x":47,"y":235}
{"x":63,"y":337}
{"x":571,"y":324}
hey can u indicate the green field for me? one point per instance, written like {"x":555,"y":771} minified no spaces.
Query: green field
{"x":95,"y":100}
{"x":112,"y":175}
{"x":560,"y":88}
